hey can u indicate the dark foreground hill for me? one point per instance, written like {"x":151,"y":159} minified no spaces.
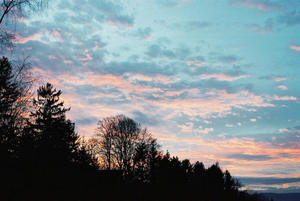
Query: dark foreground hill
{"x":283,"y":196}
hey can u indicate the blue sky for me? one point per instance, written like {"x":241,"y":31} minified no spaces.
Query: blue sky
{"x":213,"y":80}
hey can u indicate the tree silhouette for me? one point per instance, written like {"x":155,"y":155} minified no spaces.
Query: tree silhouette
{"x":106,"y":130}
{"x":14,"y":98}
{"x":56,"y":142}
{"x":51,"y":156}
{"x":11,"y":10}
{"x":146,"y":152}
{"x":126,"y":136}
{"x":120,"y":138}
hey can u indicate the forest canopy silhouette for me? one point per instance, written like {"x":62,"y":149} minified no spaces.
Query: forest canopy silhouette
{"x":43,"y":158}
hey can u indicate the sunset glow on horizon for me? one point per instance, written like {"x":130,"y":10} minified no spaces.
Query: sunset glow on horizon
{"x":212,"y":80}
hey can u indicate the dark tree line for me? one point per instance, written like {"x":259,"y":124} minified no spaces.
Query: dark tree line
{"x":43,"y":158}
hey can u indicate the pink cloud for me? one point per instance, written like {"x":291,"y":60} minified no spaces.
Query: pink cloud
{"x":52,"y":57}
{"x":279,"y":79}
{"x":295,"y":47}
{"x":56,"y":35}
{"x":36,"y":70}
{"x":124,"y":85}
{"x":196,"y":63}
{"x":282,"y":87}
{"x":222,"y":77}
{"x":87,"y":56}
{"x":214,"y":103}
{"x":188,"y":127}
{"x":283,"y":130}
{"x":284,"y":98}
{"x":205,"y":130}
{"x":21,"y":40}
{"x":157,"y":79}
{"x":163,"y":79}
{"x":66,"y":61}
{"x":260,"y":5}
{"x":174,"y":93}
{"x":118,"y":23}
{"x":207,"y":122}
{"x":219,"y":103}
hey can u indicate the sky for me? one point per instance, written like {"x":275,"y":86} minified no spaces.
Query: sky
{"x":212,"y":80}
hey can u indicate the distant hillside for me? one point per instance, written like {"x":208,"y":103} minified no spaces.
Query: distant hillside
{"x":283,"y":196}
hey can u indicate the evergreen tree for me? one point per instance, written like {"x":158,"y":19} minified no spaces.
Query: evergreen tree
{"x":56,"y":142}
{"x":8,"y":96}
{"x":14,"y":91}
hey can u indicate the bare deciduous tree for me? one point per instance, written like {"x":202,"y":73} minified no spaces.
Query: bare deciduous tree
{"x":106,"y":131}
{"x":15,"y":8}
{"x":124,"y":144}
{"x":10,"y":10}
{"x":127,"y":133}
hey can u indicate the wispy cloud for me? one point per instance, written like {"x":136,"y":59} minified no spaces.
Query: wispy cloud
{"x":261,"y":5}
{"x":291,"y":19}
{"x":223,"y":77}
{"x":267,"y":28}
{"x":282,"y":87}
{"x":284,"y":98}
{"x":144,"y":33}
{"x":279,"y":79}
{"x":21,"y":40}
{"x":198,"y":25}
{"x":250,"y":157}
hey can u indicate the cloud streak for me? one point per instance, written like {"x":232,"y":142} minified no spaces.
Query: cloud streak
{"x":260,"y":5}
